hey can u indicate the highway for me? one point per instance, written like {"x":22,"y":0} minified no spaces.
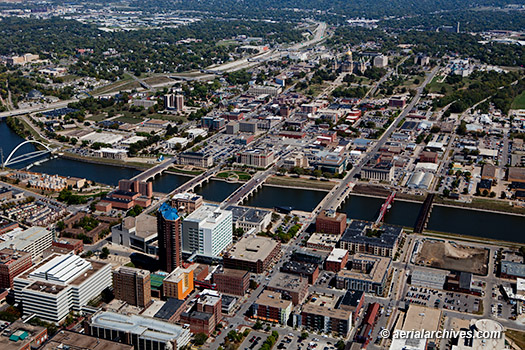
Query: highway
{"x":255,"y":60}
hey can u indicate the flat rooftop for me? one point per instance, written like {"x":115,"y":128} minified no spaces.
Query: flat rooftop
{"x":62,"y":270}
{"x":21,"y":239}
{"x":337,"y":255}
{"x":339,"y":314}
{"x":361,"y":232}
{"x":146,"y":327}
{"x":251,"y":215}
{"x":253,"y":248}
{"x":207,"y":215}
{"x":299,"y":267}
{"x":375,"y":274}
{"x":145,"y":225}
{"x":8,"y":256}
{"x":326,"y":239}
{"x":422,"y":317}
{"x":273,"y":299}
{"x":288,"y":282}
{"x":22,"y":334}
{"x":81,"y":341}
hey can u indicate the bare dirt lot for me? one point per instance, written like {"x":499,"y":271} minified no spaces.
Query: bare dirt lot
{"x":452,"y":256}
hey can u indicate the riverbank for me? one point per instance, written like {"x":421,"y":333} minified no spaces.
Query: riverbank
{"x":478,"y":204}
{"x":468,"y":238}
{"x":297,"y":188}
{"x":106,"y":161}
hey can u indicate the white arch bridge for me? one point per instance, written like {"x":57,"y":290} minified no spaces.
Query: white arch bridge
{"x":11,"y":159}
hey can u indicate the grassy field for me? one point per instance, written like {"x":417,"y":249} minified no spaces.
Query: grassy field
{"x":298,"y":182}
{"x":227,"y":43}
{"x":129,"y":119}
{"x":157,"y":80}
{"x":98,"y":117}
{"x":483,"y":203}
{"x":185,"y":172}
{"x":519,"y":102}
{"x":517,"y":337}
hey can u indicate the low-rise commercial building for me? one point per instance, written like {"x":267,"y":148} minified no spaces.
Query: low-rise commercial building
{"x":250,"y":218}
{"x":310,"y":271}
{"x":368,"y":274}
{"x":77,"y":341}
{"x":329,"y":221}
{"x":512,"y":270}
{"x":252,"y":253}
{"x":144,"y":333}
{"x":12,"y":263}
{"x":232,"y":281}
{"x":429,"y":278}
{"x":271,"y":307}
{"x":337,"y":260}
{"x":294,"y":287}
{"x":23,"y":336}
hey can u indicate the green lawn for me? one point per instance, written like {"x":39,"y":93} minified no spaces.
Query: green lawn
{"x":519,"y":102}
{"x":130,"y":120}
{"x":98,"y":117}
{"x":242,"y":175}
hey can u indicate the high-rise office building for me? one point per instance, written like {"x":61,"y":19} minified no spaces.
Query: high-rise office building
{"x":60,"y":284}
{"x":169,"y":237}
{"x":132,"y":286}
{"x":207,"y":231}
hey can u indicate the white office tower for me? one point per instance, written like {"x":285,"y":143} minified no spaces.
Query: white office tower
{"x":207,"y":231}
{"x":60,"y":284}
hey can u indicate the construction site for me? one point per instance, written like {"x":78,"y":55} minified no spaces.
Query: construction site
{"x":449,"y":255}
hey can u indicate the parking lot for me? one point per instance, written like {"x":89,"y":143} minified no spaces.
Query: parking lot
{"x":317,"y":343}
{"x":324,"y":279}
{"x":500,"y":308}
{"x":254,"y":340}
{"x":443,"y":300}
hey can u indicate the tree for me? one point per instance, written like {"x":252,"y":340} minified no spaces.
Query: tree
{"x":61,"y":225}
{"x":105,"y":253}
{"x":304,"y":335}
{"x":258,"y":325}
{"x":446,"y":192}
{"x":200,"y":339}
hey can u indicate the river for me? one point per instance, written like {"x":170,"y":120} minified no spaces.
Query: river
{"x":443,"y":219}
